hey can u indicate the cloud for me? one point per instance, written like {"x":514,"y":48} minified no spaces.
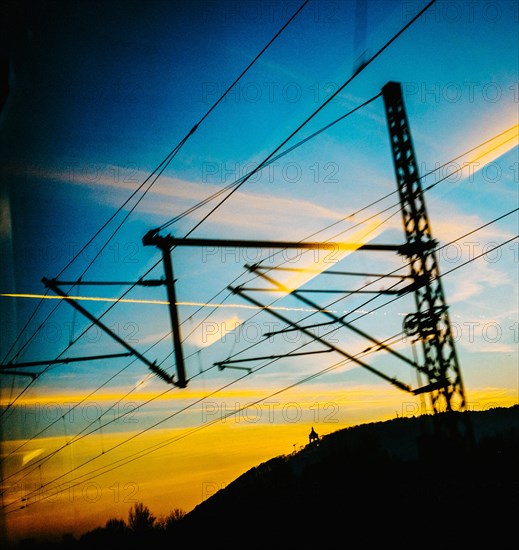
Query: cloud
{"x":496,"y":348}
{"x":281,"y":217}
{"x":212,"y":331}
{"x":450,"y":223}
{"x":482,"y":276}
{"x":170,"y":197}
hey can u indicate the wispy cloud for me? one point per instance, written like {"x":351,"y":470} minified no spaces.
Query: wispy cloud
{"x":170,"y":197}
{"x":210,"y":332}
{"x":482,"y":277}
{"x":283,"y":217}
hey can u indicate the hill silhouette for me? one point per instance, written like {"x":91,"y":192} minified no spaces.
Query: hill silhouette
{"x":401,"y":481}
{"x":394,"y":481}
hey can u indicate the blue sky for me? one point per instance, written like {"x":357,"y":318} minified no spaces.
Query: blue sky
{"x":102,"y":92}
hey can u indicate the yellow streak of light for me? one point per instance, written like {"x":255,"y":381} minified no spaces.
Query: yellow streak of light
{"x":493,"y":150}
{"x":338,"y":251}
{"x":154,"y":302}
{"x":27,"y":457}
{"x":479,"y":398}
{"x":68,"y":399}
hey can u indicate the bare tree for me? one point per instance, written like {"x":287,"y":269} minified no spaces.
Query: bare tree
{"x":140,"y":518}
{"x":169,"y":522}
{"x":176,"y":514}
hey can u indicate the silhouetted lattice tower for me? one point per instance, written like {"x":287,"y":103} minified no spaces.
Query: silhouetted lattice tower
{"x":430,"y":324}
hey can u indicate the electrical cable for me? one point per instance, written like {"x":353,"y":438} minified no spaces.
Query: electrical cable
{"x":333,"y":330}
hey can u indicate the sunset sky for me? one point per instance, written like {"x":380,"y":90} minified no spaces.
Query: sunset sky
{"x":100,"y":94}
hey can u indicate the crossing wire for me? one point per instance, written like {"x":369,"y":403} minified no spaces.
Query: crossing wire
{"x":274,"y":360}
{"x":158,"y":171}
{"x":163,"y":444}
{"x":330,"y":98}
{"x":351,"y":215}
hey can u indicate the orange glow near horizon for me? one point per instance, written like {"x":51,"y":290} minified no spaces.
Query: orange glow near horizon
{"x":193,"y":464}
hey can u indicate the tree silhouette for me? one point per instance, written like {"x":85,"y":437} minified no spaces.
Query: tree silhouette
{"x":116,"y":526}
{"x":115,"y":532}
{"x":169,"y":522}
{"x":140,"y":518}
{"x":176,"y":514}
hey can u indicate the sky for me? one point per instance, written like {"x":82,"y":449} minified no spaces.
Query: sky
{"x":100,"y":95}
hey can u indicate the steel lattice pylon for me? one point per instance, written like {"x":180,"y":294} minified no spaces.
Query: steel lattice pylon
{"x":430,"y":324}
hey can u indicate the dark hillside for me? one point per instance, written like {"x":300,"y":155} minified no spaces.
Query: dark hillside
{"x":371,"y":486}
{"x":376,"y":483}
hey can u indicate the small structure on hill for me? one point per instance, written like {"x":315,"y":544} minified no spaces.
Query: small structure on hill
{"x":313,"y":437}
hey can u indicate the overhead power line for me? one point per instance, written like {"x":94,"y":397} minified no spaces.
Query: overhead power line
{"x":330,"y":98}
{"x":163,"y":444}
{"x":157,"y":172}
{"x":395,"y":205}
{"x":116,"y":300}
{"x":271,"y":361}
{"x":156,"y":447}
{"x":121,"y":298}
